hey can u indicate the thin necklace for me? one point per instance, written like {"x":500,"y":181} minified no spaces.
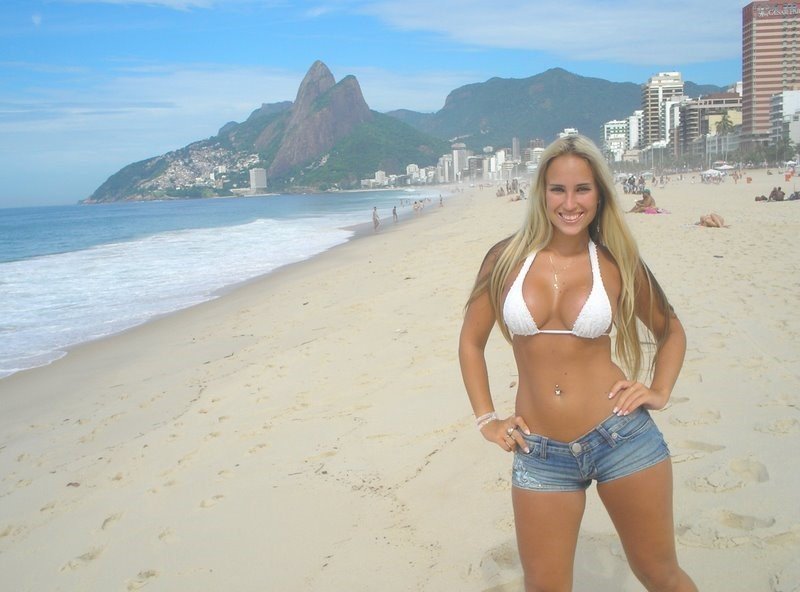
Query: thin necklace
{"x":556,"y":283}
{"x":557,"y":287}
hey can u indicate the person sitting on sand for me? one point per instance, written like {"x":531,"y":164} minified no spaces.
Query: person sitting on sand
{"x":778,"y":195}
{"x":762,"y":198}
{"x":712,"y":220}
{"x":645,"y":203}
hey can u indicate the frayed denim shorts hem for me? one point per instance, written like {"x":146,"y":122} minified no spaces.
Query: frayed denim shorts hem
{"x":617,"y":447}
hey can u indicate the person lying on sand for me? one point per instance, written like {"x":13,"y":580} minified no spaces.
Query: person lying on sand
{"x":712,"y":220}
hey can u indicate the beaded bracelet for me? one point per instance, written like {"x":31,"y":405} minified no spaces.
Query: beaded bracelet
{"x":485,"y":418}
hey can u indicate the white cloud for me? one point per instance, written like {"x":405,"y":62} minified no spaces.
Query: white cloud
{"x":174,"y":4}
{"x":423,"y":91}
{"x":182,"y":4}
{"x":94,"y":130}
{"x":623,"y":31}
{"x":36,"y":19}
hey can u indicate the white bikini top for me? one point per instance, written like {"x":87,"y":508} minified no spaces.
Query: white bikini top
{"x":593,"y":321}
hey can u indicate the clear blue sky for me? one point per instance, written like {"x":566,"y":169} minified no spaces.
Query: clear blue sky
{"x":88,"y":86}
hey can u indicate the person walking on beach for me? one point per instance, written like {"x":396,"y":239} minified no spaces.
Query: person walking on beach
{"x":376,"y":221}
{"x":394,"y":214}
{"x":555,"y":288}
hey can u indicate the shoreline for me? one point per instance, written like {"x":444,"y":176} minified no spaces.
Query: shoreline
{"x":192,"y":452}
{"x":359,"y":231}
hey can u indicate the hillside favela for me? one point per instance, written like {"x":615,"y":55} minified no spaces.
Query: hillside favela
{"x":378,"y":296}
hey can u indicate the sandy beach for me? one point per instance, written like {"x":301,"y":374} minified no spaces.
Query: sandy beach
{"x":310,"y":431}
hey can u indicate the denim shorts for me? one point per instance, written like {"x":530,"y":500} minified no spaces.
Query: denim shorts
{"x":617,"y":447}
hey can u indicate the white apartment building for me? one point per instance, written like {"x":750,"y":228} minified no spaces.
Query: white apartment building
{"x":515,"y":154}
{"x":258,"y":179}
{"x":460,"y":155}
{"x":615,"y":136}
{"x":444,"y":169}
{"x":635,"y":128}
{"x":656,"y":93}
{"x":784,"y":112}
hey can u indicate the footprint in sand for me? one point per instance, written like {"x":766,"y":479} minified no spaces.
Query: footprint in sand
{"x":141,"y":579}
{"x":504,"y":556}
{"x":737,"y":474}
{"x":787,"y":537}
{"x":108,"y":522}
{"x":722,"y":529}
{"x":257,"y":448}
{"x":787,"y":579}
{"x":82,"y":560}
{"x":780,"y":427}
{"x":743,"y":522}
{"x":497,"y":560}
{"x":210,"y":502}
{"x":692,"y":450}
{"x":167,"y":536}
{"x":782,"y":400}
{"x":11,"y":531}
{"x":687,"y":418}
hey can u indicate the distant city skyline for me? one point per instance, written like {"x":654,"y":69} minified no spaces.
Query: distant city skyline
{"x":89,"y":86}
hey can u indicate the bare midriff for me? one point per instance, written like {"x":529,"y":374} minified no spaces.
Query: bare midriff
{"x":580,"y":369}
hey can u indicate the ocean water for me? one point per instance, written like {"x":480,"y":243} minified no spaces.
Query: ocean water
{"x":71,"y":274}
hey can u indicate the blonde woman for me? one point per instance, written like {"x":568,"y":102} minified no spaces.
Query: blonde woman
{"x":555,"y":288}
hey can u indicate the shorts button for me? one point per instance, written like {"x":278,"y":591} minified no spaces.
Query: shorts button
{"x":615,"y":435}
{"x":576,"y":448}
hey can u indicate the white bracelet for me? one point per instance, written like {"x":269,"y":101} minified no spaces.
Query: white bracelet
{"x":485,"y":418}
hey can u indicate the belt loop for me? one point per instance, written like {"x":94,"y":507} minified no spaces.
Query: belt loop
{"x":543,"y":448}
{"x":607,"y":436}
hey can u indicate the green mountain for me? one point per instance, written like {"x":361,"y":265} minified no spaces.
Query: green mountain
{"x":327,"y":137}
{"x":492,"y":112}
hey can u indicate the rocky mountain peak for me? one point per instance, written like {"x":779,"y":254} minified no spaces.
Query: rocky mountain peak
{"x":317,"y":81}
{"x":323,"y":113}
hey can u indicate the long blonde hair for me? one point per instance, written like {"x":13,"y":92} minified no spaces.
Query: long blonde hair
{"x":607,"y":229}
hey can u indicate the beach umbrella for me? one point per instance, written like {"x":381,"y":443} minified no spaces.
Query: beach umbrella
{"x":724,"y":167}
{"x":711,"y":172}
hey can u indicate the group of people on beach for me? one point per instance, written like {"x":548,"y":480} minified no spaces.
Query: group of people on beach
{"x":777,"y":194}
{"x":634,"y":184}
{"x":417,"y":207}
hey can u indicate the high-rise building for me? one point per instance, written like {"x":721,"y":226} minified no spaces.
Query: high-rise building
{"x":615,"y":136}
{"x":657,"y":92}
{"x":696,"y":119}
{"x":460,"y":154}
{"x":515,"y":155}
{"x":258,"y":179}
{"x":785,"y":110}
{"x":770,"y":61}
{"x":635,"y":125}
